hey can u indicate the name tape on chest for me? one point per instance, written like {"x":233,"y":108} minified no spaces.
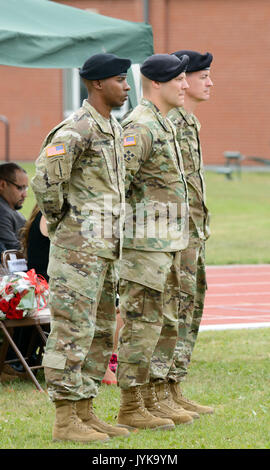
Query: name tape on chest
{"x":129,"y":140}
{"x":55,"y":150}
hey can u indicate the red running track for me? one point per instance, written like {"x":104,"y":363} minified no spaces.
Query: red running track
{"x":238,"y":296}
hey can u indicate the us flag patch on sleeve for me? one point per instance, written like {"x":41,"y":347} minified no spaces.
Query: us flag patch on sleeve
{"x":56,"y":150}
{"x":129,"y":140}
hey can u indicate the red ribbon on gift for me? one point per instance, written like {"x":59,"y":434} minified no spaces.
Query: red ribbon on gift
{"x":40,"y":284}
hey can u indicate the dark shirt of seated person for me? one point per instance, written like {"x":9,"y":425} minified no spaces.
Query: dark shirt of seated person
{"x":36,"y":243}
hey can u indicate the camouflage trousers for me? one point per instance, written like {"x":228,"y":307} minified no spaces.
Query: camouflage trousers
{"x":193,"y":289}
{"x":149,"y":303}
{"x":82,"y":304}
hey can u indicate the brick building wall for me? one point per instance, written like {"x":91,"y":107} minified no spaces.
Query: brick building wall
{"x":31,"y":99}
{"x":235,"y":31}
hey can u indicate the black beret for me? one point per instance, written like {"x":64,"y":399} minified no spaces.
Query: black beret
{"x":104,"y":66}
{"x":197,"y":61}
{"x":164,"y":67}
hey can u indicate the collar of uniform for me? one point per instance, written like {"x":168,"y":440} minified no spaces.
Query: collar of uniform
{"x":190,"y":118}
{"x":157,"y":113}
{"x":104,"y":124}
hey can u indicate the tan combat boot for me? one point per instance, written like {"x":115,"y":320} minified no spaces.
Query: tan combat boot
{"x":133,"y":414}
{"x":154,"y":407}
{"x":69,"y":427}
{"x":193,"y":414}
{"x":168,"y":407}
{"x":188,"y":404}
{"x":86,"y":413}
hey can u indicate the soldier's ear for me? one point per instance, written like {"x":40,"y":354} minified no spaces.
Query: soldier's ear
{"x":97,"y":84}
{"x":155,"y":84}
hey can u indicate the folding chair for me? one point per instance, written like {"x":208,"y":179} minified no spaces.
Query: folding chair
{"x":7,"y":326}
{"x":13,"y":260}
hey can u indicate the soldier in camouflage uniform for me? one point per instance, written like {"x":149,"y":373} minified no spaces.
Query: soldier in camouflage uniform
{"x":150,"y":267}
{"x":193,"y":276}
{"x":79,"y":186}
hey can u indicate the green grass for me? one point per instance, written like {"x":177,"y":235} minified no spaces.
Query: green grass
{"x":240,"y":217}
{"x":230,"y":370}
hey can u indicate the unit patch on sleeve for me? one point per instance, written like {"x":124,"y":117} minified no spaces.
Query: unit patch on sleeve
{"x":128,"y":155}
{"x":55,"y":150}
{"x":129,"y":140}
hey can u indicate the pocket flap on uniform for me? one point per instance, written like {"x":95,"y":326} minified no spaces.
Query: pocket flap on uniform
{"x":54,"y":360}
{"x":148,"y":269}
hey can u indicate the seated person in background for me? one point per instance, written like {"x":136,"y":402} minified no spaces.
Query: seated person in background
{"x":36,"y":243}
{"x":13,"y":191}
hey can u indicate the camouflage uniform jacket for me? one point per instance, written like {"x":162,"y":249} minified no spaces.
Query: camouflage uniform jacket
{"x":79,"y":183}
{"x":188,"y":128}
{"x":155,"y":183}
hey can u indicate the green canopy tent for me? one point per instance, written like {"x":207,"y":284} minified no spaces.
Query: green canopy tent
{"x":41,"y":33}
{"x":45,"y":34}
